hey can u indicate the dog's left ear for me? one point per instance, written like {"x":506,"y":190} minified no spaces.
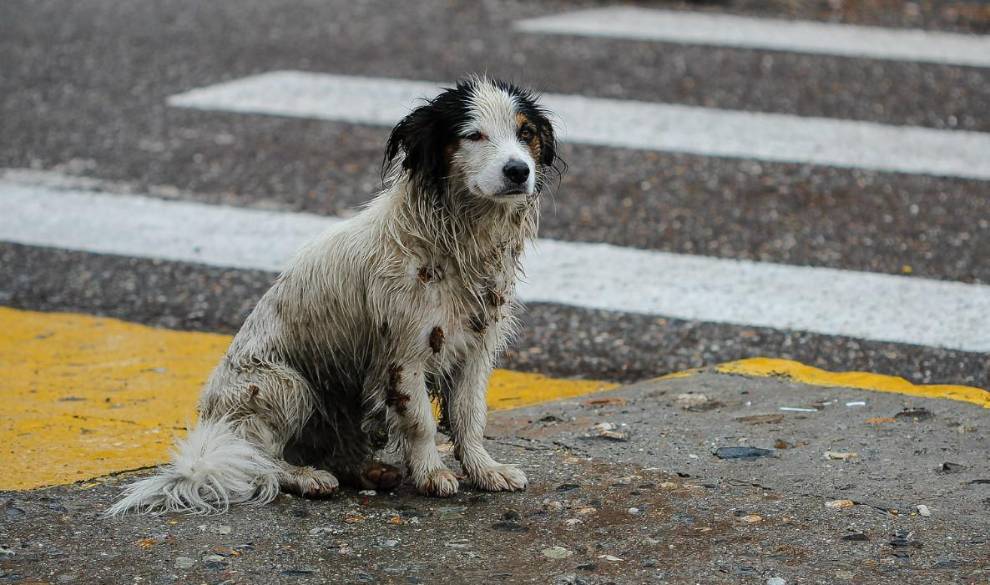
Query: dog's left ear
{"x":422,"y":137}
{"x":548,"y":143}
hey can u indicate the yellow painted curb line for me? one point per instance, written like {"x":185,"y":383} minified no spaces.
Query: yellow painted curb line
{"x":798,"y":372}
{"x":84,"y":396}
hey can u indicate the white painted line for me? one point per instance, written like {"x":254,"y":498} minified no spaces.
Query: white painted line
{"x":629,"y":22}
{"x":598,"y":276}
{"x":625,"y":124}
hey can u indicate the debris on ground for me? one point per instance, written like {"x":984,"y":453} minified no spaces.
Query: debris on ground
{"x":949,"y":467}
{"x":840,"y":456}
{"x":839,"y":504}
{"x":796,"y":409}
{"x":557,"y":552}
{"x":696,"y":402}
{"x":608,"y":431}
{"x":923,"y":510}
{"x":915,"y":414}
{"x":745,"y":453}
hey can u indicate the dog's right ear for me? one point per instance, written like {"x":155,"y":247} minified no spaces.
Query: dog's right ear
{"x":421,"y":138}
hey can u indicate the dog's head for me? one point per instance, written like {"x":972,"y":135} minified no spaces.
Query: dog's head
{"x":487,"y":137}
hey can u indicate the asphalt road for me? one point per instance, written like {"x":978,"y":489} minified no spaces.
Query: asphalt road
{"x":83,"y":89}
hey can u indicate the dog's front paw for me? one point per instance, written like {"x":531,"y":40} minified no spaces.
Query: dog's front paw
{"x":500,"y":478}
{"x":440,"y":483}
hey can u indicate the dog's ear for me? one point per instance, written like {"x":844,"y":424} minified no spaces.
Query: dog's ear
{"x":548,"y":143}
{"x":422,"y":138}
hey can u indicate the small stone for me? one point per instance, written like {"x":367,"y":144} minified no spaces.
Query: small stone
{"x":776,"y":581}
{"x":856,"y":537}
{"x":611,"y":558}
{"x":839,"y":504}
{"x":668,"y":485}
{"x":390,"y":543}
{"x":923,"y":510}
{"x":213,"y":558}
{"x":751,"y":519}
{"x":367,"y":493}
{"x":353,"y":518}
{"x":840,"y":456}
{"x":184,"y":563}
{"x":634,"y":511}
{"x":223,"y":529}
{"x":557,"y":552}
{"x":554,"y":506}
{"x":689,"y":400}
{"x":6,"y":553}
{"x":587,"y":510}
{"x":573,"y":522}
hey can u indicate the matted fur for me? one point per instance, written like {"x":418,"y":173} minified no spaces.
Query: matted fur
{"x":413,"y":296}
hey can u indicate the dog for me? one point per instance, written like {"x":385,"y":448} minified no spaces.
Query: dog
{"x":413,"y":298}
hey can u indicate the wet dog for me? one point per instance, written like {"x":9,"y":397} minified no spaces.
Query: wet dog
{"x":412,"y":298}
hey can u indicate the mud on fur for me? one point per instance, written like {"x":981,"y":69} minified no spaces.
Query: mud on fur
{"x":335,"y":367}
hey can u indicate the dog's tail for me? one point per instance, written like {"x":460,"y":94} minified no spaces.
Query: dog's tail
{"x":212,"y":468}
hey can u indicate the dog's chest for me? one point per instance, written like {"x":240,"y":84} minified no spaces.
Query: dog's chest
{"x":457,"y":310}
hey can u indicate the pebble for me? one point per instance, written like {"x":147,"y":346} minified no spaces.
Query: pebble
{"x":634,"y":511}
{"x":6,"y":553}
{"x":184,"y":563}
{"x":923,"y":510}
{"x":557,"y":552}
{"x":573,"y":522}
{"x":776,"y":581}
{"x":367,"y":493}
{"x":390,"y":543}
{"x":223,"y":529}
{"x":751,"y":519}
{"x":213,"y":559}
{"x":611,"y":558}
{"x":839,"y":504}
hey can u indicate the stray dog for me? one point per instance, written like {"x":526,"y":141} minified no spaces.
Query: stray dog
{"x":412,"y":298}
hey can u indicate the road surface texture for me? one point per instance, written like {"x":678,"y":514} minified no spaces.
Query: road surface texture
{"x":626,"y":488}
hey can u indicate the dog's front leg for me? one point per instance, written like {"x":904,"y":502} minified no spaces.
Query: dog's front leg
{"x":468,"y":411}
{"x":410,"y":406}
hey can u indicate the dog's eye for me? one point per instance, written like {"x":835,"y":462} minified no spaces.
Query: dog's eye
{"x":475,"y":136}
{"x":526,"y":134}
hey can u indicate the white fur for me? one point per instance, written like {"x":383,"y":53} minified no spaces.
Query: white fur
{"x":211,"y":468}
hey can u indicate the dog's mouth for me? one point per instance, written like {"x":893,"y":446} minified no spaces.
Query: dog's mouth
{"x":511,"y":192}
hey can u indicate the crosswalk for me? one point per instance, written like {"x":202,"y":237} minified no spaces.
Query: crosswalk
{"x":49,"y":210}
{"x":596,"y":276}
{"x":625,"y":124}
{"x":631,"y":22}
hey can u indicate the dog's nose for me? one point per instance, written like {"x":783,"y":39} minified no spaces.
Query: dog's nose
{"x":516,"y":170}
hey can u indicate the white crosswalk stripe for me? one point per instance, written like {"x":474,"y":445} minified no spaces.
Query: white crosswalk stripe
{"x":626,"y":124}
{"x":599,"y":276}
{"x":630,"y":22}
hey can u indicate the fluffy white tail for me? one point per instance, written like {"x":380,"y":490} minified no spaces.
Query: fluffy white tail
{"x":211,"y":469}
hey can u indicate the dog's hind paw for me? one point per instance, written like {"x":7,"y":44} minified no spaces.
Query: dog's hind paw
{"x":380,"y":476}
{"x":310,"y":482}
{"x":440,"y":483}
{"x":500,"y":478}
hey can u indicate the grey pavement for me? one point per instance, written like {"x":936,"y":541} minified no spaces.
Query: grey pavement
{"x":625,"y":488}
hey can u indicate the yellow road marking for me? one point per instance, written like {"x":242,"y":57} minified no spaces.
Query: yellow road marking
{"x":798,"y":372}
{"x":84,"y":396}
